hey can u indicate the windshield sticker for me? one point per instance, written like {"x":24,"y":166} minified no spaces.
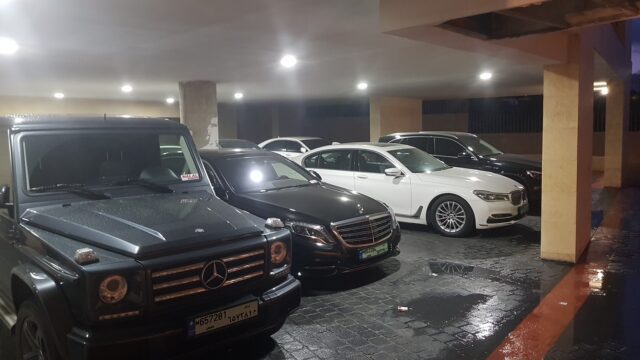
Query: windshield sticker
{"x":189,"y":177}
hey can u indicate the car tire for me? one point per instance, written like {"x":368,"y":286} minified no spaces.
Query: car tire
{"x":452,"y":216}
{"x":33,"y":333}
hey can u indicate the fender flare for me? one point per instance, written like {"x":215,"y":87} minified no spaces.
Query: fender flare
{"x":46,"y":293}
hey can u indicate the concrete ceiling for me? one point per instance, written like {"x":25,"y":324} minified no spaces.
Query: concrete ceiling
{"x":88,"y":49}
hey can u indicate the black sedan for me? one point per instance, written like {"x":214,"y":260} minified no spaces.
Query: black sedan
{"x":334,"y":230}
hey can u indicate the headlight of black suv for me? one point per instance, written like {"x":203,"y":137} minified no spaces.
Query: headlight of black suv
{"x":316,"y":233}
{"x":491,"y":196}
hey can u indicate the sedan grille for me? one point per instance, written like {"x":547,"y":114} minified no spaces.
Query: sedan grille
{"x":186,"y":280}
{"x":365,"y":230}
{"x":518,"y":197}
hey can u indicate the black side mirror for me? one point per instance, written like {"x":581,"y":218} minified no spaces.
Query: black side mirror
{"x":315,"y":175}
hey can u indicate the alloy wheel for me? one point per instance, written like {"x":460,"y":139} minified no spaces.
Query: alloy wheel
{"x":450,"y":216}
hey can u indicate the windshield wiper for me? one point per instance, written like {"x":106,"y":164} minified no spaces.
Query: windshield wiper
{"x":160,"y":188}
{"x":77,"y":189}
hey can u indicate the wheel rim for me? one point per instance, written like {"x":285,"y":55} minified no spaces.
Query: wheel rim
{"x":450,"y":216}
{"x":33,"y":344}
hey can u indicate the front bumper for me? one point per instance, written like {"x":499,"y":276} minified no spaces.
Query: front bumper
{"x":311,"y":260}
{"x":497,"y":214}
{"x":159,"y":340}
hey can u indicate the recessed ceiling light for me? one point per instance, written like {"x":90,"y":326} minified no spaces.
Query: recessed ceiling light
{"x":604,"y":90}
{"x":8,"y":46}
{"x":363,"y":85}
{"x":238,"y":96}
{"x":58,"y":95}
{"x":485,"y":75}
{"x":288,"y":61}
{"x":126,"y":116}
{"x":4,"y":2}
{"x":126,"y":88}
{"x":170,"y":100}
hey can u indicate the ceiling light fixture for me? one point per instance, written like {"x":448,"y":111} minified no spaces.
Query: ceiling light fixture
{"x":126,"y":88}
{"x":599,"y":83}
{"x":363,"y":85}
{"x":58,"y":95}
{"x":604,"y":91}
{"x":288,"y":61}
{"x":238,"y":96}
{"x":170,"y":100}
{"x":8,"y":46}
{"x":485,"y":76}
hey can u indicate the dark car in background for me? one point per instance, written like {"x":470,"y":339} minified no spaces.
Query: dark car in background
{"x":113,"y":244}
{"x":466,"y":150}
{"x":334,"y":230}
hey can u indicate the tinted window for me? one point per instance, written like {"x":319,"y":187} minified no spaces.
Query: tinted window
{"x":373,"y":163}
{"x":446,"y":147}
{"x":315,"y":143}
{"x":278,"y":145}
{"x":311,"y":161}
{"x":422,"y":143}
{"x":335,"y":160}
{"x":262,"y":173}
{"x":479,"y":146}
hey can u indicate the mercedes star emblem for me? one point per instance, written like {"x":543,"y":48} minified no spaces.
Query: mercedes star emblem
{"x":214,"y":274}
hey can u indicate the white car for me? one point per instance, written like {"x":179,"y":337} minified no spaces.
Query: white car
{"x":293,"y":146}
{"x":420,"y":188}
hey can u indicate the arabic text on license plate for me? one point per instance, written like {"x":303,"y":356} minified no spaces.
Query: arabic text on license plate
{"x":373,"y":251}
{"x":222,"y":318}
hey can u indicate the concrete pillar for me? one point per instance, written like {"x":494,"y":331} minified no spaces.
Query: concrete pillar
{"x":394,"y":114}
{"x":566,"y":154}
{"x":199,"y":110}
{"x":617,"y":125}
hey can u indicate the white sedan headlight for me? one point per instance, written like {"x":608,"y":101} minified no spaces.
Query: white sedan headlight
{"x":491,"y":196}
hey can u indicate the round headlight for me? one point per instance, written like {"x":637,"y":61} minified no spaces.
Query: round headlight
{"x":113,"y":289}
{"x":278,"y":252}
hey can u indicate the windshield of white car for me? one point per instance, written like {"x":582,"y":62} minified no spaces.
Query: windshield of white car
{"x":107,"y":159}
{"x":262,"y":173}
{"x":315,"y":143}
{"x":418,"y":161}
{"x":479,"y":146}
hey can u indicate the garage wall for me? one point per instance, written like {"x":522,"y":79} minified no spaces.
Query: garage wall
{"x":50,"y":106}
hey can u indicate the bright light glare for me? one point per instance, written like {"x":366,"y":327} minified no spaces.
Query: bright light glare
{"x":256,"y":176}
{"x":126,"y":88}
{"x":58,"y":95}
{"x":238,"y":96}
{"x":288,"y":61}
{"x":362,"y":85}
{"x":485,"y":76}
{"x":8,"y":46}
{"x":170,"y":100}
{"x":599,"y":83}
{"x":604,"y":90}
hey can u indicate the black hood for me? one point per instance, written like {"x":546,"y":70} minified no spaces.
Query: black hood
{"x":144,"y":226}
{"x":320,"y":203}
{"x":515,"y":161}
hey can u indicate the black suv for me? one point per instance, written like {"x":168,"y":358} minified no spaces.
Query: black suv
{"x":334,"y":230}
{"x":113,"y":244}
{"x":469,"y":151}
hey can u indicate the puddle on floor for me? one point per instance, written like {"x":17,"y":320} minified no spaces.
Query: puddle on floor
{"x":440,"y":310}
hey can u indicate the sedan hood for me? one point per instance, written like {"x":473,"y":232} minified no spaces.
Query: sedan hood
{"x":471,"y":179}
{"x":144,"y":226}
{"x":322,"y":203}
{"x":516,"y":161}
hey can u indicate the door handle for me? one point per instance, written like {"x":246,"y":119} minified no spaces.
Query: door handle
{"x":362,"y":176}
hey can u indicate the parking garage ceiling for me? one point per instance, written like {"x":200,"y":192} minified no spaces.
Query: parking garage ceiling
{"x":88,"y":49}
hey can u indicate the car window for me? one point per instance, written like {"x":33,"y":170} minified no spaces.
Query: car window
{"x":292,"y":146}
{"x":371,"y":162}
{"x":311,"y":161}
{"x":447,"y":147}
{"x":278,"y":145}
{"x":315,"y":143}
{"x":423,"y":143}
{"x":335,"y":160}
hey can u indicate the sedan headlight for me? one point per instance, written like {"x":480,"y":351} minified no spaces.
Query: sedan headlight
{"x":314,"y":232}
{"x":491,"y":196}
{"x":537,"y":175}
{"x":113,"y":289}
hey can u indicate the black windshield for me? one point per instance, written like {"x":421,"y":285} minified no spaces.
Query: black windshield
{"x":479,"y":146}
{"x":262,"y":173}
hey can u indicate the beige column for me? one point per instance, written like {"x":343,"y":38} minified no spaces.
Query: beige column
{"x":566,"y":154}
{"x":617,"y":125}
{"x":394,"y":114}
{"x":199,"y":110}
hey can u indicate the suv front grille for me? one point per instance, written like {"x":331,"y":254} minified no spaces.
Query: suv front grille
{"x":518,"y":197}
{"x":365,"y":230}
{"x":186,"y":280}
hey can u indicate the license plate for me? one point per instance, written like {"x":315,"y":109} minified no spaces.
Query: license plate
{"x":373,"y":251}
{"x":222,"y":318}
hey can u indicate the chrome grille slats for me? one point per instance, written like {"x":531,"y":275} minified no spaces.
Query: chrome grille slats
{"x":185,"y":280}
{"x":365,"y":230}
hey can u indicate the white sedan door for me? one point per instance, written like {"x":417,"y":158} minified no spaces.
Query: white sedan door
{"x":335,"y":167}
{"x":371,"y":180}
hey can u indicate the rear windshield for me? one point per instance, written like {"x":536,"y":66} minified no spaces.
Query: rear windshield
{"x":315,"y":143}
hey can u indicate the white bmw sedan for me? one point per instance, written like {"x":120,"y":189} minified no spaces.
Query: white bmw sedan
{"x":420,"y":188}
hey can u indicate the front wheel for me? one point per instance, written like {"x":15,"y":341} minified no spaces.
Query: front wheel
{"x":451,"y":216}
{"x":34,"y":339}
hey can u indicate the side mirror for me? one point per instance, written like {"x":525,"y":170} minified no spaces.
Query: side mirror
{"x":303,"y":150}
{"x":395,"y":172}
{"x":315,"y":175}
{"x":464,"y":155}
